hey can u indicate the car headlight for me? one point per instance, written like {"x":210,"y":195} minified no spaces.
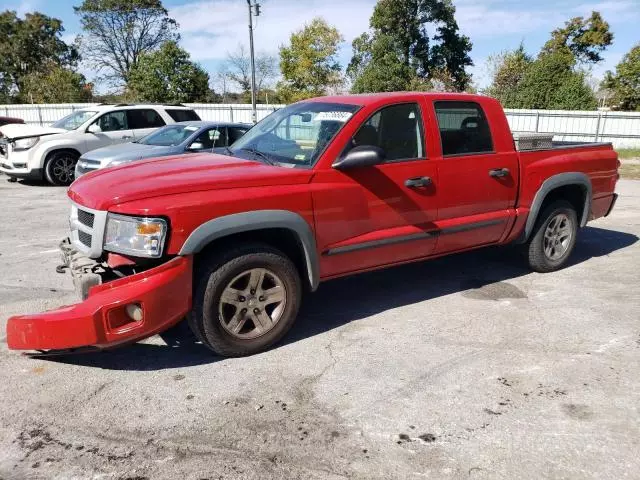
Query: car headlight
{"x":137,"y":236}
{"x":24,"y":143}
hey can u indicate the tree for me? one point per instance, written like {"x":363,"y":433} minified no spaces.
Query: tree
{"x":585,"y":38}
{"x":238,"y":70}
{"x":27,"y":46}
{"x":399,"y":53}
{"x":118,"y":32}
{"x":309,"y":64}
{"x":552,"y":83}
{"x":508,"y":69}
{"x":168,"y":75}
{"x":625,"y":83}
{"x":55,"y":84}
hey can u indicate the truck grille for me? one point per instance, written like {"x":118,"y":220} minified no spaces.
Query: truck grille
{"x":87,"y":230}
{"x":85,"y":238}
{"x":86,"y":218}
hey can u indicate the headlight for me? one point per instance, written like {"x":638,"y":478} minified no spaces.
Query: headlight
{"x":24,"y":143}
{"x":137,"y":236}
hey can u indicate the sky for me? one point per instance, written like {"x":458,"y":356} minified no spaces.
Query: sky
{"x":211,"y":28}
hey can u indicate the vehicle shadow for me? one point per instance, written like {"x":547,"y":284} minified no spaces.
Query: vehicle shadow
{"x":342,"y":301}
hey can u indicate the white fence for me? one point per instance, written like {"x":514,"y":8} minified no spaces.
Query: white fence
{"x":620,"y":128}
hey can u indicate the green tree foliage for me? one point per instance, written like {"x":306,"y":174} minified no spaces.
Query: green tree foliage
{"x":168,"y":75}
{"x":309,"y":63}
{"x":28,"y":45}
{"x":55,"y":84}
{"x":118,"y":32}
{"x":555,"y":79}
{"x":508,"y":70}
{"x":399,"y":53}
{"x":625,"y":82}
{"x":552,"y":83}
{"x":585,"y":38}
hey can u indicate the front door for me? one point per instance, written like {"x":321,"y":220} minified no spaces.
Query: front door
{"x":113,"y":129}
{"x":371,"y":216}
{"x":477,"y":186}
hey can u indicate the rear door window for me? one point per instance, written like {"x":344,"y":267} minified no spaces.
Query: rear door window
{"x":182,"y":115}
{"x":464,"y":129}
{"x":144,"y":118}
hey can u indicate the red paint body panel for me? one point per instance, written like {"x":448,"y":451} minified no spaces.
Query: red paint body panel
{"x":362,"y":219}
{"x":163,"y":292}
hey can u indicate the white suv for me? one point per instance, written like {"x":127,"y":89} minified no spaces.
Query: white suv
{"x":51,"y":153}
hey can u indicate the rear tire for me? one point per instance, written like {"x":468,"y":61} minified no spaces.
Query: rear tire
{"x":245,"y":299}
{"x":553,"y":238}
{"x":60,"y":168}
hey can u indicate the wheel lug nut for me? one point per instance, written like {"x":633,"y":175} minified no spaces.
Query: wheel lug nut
{"x":256,"y":310}
{"x":244,"y":310}
{"x":253,"y":292}
{"x":242,"y":299}
{"x":261,"y":299}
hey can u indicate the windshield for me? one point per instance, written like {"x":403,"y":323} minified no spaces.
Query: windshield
{"x":296,"y":134}
{"x":169,"y":136}
{"x":74,"y":120}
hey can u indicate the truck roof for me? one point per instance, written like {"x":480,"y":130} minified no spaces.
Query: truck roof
{"x":371,"y":98}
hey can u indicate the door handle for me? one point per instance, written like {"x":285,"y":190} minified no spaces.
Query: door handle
{"x":416,"y":182}
{"x":499,"y":172}
{"x":126,"y":137}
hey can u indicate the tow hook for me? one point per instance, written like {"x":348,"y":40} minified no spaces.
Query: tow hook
{"x":62,"y":268}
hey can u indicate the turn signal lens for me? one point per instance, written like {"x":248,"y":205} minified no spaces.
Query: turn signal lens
{"x":149,"y":228}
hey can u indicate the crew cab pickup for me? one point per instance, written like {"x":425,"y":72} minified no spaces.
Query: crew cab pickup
{"x":323,"y":188}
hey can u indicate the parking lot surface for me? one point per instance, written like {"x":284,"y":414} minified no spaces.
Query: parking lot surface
{"x":463,"y":367}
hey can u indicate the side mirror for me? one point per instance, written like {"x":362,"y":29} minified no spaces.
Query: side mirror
{"x":361,"y":156}
{"x":195,"y":146}
{"x":94,"y":128}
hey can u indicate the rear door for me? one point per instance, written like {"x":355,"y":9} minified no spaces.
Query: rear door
{"x":143,"y":121}
{"x":477,"y":185}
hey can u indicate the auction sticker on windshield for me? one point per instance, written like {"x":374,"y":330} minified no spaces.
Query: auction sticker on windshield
{"x":337,"y":116}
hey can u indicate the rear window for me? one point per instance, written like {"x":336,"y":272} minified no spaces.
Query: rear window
{"x":464,"y":129}
{"x":183,"y":115}
{"x":144,"y":118}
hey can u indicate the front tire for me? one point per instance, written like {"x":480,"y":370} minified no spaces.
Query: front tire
{"x":553,"y":238}
{"x":60,"y":168}
{"x":245,"y":299}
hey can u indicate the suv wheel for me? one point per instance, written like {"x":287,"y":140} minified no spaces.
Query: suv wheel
{"x":553,"y":237}
{"x":60,"y":168}
{"x":245,"y":300}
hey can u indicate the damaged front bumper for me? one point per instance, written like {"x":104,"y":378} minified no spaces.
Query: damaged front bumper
{"x":160,"y":297}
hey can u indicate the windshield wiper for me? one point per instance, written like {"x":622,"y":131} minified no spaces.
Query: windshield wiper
{"x":256,"y":153}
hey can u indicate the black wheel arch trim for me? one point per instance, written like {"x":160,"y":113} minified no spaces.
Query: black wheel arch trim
{"x":550,"y":184}
{"x":258,"y":220}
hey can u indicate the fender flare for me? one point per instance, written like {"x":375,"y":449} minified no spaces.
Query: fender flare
{"x":258,"y":220}
{"x":551,"y":183}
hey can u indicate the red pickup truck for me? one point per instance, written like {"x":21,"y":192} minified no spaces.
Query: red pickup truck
{"x":320,"y":189}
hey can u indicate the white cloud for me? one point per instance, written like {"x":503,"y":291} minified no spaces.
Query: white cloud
{"x":212,"y":28}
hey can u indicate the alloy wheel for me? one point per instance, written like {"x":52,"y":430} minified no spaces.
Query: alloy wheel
{"x":252,"y":303}
{"x":557,"y":236}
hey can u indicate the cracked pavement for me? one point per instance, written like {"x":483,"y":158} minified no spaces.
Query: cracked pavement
{"x":463,"y":367}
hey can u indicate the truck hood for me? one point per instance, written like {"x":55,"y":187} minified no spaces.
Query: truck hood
{"x":127,"y":151}
{"x":177,"y":174}
{"x":19,"y":130}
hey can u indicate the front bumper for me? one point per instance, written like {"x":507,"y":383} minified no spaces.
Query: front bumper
{"x":163,"y":293}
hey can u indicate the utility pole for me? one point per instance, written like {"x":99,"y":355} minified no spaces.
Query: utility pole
{"x":252,"y":7}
